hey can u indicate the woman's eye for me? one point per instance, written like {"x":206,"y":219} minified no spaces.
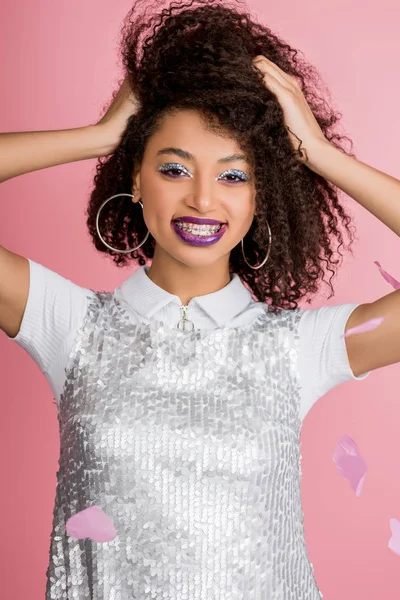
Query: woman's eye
{"x":172,"y":170}
{"x":237,"y":178}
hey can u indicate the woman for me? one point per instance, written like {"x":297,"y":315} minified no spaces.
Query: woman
{"x":181,"y":395}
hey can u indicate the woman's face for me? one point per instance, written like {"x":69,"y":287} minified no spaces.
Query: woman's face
{"x":206,"y":186}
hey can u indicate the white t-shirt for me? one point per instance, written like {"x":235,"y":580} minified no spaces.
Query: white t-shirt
{"x":56,"y":308}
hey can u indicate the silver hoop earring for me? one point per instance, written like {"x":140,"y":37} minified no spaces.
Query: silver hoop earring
{"x":268,"y":253}
{"x":101,"y":237}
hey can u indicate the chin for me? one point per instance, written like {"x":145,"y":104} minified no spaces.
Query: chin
{"x":197,"y":257}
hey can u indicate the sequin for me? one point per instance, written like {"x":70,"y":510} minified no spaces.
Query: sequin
{"x":190,"y":442}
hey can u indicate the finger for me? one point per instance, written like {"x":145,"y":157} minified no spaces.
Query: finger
{"x":273,"y":84}
{"x":280,"y":75}
{"x":272,"y":77}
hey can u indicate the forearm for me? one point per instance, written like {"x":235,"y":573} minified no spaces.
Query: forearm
{"x":33,"y":150}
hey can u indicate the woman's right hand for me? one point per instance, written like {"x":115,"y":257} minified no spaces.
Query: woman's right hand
{"x":27,"y":151}
{"x":114,"y":122}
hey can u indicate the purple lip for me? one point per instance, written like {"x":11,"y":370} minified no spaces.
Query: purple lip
{"x":195,"y":240}
{"x":198,"y":221}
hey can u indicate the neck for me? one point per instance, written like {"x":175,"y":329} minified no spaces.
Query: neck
{"x":186,"y":281}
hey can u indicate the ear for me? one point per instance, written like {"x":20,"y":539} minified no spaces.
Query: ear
{"x":136,"y":186}
{"x":135,"y":193}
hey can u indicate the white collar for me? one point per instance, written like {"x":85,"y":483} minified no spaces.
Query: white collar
{"x":147,"y":298}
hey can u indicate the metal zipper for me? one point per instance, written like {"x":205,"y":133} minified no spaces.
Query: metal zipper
{"x":185,"y":324}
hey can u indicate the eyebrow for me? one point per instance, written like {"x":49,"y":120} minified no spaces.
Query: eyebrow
{"x":186,"y":155}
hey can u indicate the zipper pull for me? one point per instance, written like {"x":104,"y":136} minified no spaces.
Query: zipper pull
{"x":185,"y":324}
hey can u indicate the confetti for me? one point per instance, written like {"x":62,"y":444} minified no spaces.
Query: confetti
{"x":394,"y":542}
{"x":387,"y":277}
{"x":350,"y":463}
{"x":91,"y":523}
{"x":367,"y":326}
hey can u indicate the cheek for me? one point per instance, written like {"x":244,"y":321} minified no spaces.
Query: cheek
{"x":154,"y":202}
{"x":244,"y":215}
{"x":157,"y":215}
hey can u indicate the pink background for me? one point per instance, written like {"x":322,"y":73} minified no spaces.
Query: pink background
{"x":59,"y":67}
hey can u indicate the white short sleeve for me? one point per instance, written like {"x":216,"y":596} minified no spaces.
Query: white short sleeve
{"x":55,"y":308}
{"x":323,"y":358}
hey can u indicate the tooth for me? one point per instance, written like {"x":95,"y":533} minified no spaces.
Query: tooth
{"x":199,"y":230}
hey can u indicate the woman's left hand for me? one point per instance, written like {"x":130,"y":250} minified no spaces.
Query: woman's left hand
{"x":299,"y":119}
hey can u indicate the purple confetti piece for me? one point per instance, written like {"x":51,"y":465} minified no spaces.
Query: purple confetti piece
{"x":394,"y":542}
{"x":91,"y":523}
{"x":350,"y":463}
{"x":367,"y":326}
{"x":387,"y":277}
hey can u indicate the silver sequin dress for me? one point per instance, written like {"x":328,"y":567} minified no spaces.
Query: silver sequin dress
{"x":190,"y":443}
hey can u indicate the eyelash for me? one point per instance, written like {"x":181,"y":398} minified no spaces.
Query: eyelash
{"x":167,"y":169}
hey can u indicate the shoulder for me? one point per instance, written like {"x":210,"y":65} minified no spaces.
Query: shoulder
{"x":325,"y":320}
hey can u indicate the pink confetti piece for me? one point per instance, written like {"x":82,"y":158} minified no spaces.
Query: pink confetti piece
{"x":387,"y":277}
{"x":394,"y":542}
{"x":367,"y":326}
{"x":92,"y":523}
{"x":350,"y":463}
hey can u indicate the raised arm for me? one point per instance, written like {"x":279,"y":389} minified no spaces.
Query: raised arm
{"x":30,"y":151}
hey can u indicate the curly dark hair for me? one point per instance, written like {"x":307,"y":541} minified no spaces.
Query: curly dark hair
{"x":201,"y":58}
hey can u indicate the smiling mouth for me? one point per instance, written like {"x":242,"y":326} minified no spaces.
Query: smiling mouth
{"x":200,"y":238}
{"x":200,"y":230}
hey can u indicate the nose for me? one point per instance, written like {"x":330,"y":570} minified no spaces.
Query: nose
{"x":203,"y":197}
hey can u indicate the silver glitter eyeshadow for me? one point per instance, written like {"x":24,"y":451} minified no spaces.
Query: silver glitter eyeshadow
{"x":190,"y":443}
